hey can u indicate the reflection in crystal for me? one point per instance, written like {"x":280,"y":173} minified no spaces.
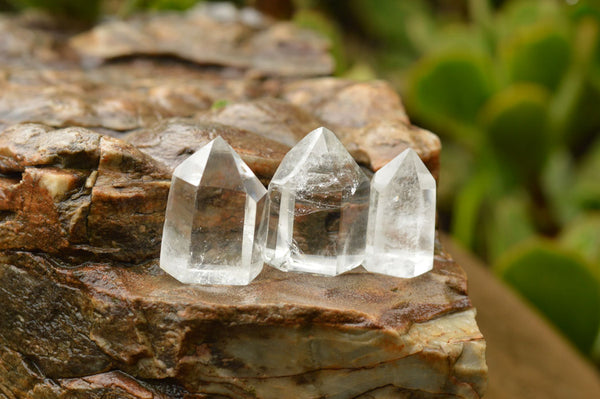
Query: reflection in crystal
{"x":318,"y":202}
{"x":401,"y":230}
{"x":215,"y":205}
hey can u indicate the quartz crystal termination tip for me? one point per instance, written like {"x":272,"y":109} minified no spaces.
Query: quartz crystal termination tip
{"x":401,"y":228}
{"x":211,"y":231}
{"x":318,"y":208}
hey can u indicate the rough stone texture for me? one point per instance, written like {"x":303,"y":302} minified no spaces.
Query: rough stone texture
{"x":117,"y":97}
{"x":269,"y":117}
{"x":348,"y":336}
{"x":68,"y":326}
{"x":173,"y":140}
{"x":24,"y":43}
{"x":213,"y":35}
{"x":87,"y":312}
{"x":70,"y":191}
{"x":367,"y":116}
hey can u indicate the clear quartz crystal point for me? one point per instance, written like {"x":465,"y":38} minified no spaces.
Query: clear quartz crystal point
{"x":318,"y":208}
{"x":211,"y":232}
{"x":401,"y":229}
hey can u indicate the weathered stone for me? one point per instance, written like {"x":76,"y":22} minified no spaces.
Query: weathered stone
{"x":348,"y":335}
{"x":75,"y":193}
{"x":173,"y":140}
{"x":23,"y":45}
{"x":369,"y":118}
{"x":62,"y":98}
{"x":87,"y":312}
{"x":214,"y":35}
{"x":346,"y":104}
{"x":384,"y":140}
{"x":271,"y":118}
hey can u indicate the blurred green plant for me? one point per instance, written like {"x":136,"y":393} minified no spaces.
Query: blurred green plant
{"x":83,"y":11}
{"x":512,"y":91}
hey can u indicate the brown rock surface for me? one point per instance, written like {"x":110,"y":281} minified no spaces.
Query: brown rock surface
{"x":87,"y":312}
{"x":216,"y":34}
{"x":117,"y":97}
{"x":173,"y":140}
{"x":69,"y":192}
{"x":269,"y":117}
{"x":347,"y":335}
{"x":367,"y":116}
{"x":77,"y":321}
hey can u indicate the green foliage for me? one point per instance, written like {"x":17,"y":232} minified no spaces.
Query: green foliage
{"x":156,"y":5}
{"x":516,"y":90}
{"x":560,"y":284}
{"x":514,"y":120}
{"x":315,"y":20}
{"x":448,"y":90}
{"x":85,"y":11}
{"x":586,"y":190}
{"x":509,"y":224}
{"x":582,"y":236}
{"x":539,"y":55}
{"x":219,"y":104}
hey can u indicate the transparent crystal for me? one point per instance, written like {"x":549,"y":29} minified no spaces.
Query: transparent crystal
{"x":401,"y":230}
{"x":318,"y":208}
{"x":211,"y":232}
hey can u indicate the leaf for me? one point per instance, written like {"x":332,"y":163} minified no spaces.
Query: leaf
{"x":523,"y":13}
{"x":387,"y":19}
{"x":458,"y":168}
{"x":560,"y":284}
{"x":312,"y":19}
{"x":467,"y":208}
{"x":507,"y":224}
{"x":86,"y":11}
{"x":447,"y":91}
{"x":557,"y":181}
{"x":459,"y":37}
{"x":538,"y":54}
{"x":587,"y":184}
{"x":583,"y":236}
{"x":515,"y":123}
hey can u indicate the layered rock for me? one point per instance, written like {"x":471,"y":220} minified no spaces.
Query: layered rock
{"x":212,"y":35}
{"x":87,"y":312}
{"x":353,"y":335}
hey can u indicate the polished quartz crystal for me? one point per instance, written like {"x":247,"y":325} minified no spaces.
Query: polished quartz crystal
{"x":318,"y":208}
{"x":401,"y":229}
{"x":211,"y":232}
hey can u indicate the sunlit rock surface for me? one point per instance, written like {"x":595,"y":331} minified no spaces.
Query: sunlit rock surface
{"x":285,"y":332}
{"x":172,"y":140}
{"x":368,"y":117}
{"x":86,"y":310}
{"x":213,"y":34}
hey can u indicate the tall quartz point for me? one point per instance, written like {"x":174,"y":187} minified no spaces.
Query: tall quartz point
{"x":401,"y":229}
{"x":213,"y":215}
{"x":318,"y":208}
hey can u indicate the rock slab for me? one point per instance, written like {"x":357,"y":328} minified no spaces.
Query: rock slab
{"x":86,"y":156}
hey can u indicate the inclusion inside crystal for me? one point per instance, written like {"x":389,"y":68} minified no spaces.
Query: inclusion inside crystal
{"x":318,"y":201}
{"x":211,"y":233}
{"x":401,"y":229}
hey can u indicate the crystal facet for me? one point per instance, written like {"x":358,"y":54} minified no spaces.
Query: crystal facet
{"x":211,"y":232}
{"x":318,"y":208}
{"x":401,"y":229}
